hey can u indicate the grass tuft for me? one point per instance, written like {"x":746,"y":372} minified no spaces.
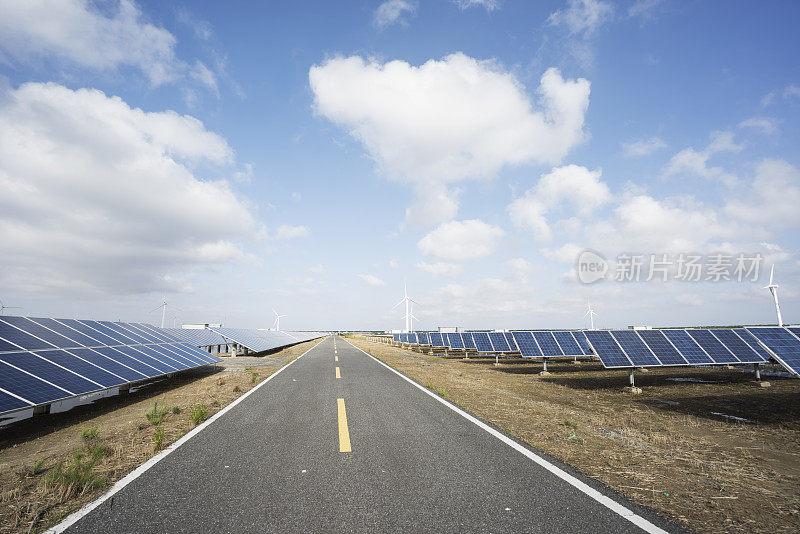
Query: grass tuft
{"x":158,"y":439}
{"x":78,"y":477}
{"x":198,"y":414}
{"x":571,"y":424}
{"x":156,"y":415}
{"x":176,"y":410}
{"x":254,"y":379}
{"x":37,"y":467}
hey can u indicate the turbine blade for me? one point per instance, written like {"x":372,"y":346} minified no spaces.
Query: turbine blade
{"x":399,"y":303}
{"x":156,"y":308}
{"x":771,"y":272}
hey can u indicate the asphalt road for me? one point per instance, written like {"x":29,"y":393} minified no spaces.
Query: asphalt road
{"x":273,"y":463}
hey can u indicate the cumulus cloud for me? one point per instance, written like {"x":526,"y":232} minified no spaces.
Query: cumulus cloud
{"x":461,"y":240}
{"x":643,"y":147}
{"x":391,"y":12}
{"x":441,"y":268}
{"x":77,"y":32}
{"x":691,"y":162}
{"x":372,"y":280}
{"x":577,"y":186}
{"x":773,"y":198}
{"x":448,"y":120}
{"x":100,"y":196}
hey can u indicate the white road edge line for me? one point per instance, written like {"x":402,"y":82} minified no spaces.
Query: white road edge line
{"x":139,"y":471}
{"x":609,"y":503}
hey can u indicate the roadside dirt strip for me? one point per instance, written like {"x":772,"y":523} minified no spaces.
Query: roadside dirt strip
{"x":337,"y":441}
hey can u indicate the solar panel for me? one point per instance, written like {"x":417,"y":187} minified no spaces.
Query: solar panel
{"x":712,"y":346}
{"x":737,"y":346}
{"x":511,"y":343}
{"x":634,"y":348}
{"x":657,"y":342}
{"x":455,"y":341}
{"x":436,"y":339}
{"x":199,"y":337}
{"x":466,"y":338}
{"x":527,"y":345}
{"x":482,"y":342}
{"x":753,"y":343}
{"x":688,"y":347}
{"x":607,"y":349}
{"x":424,"y":338}
{"x":395,"y":337}
{"x":499,"y":342}
{"x":263,"y":340}
{"x":580,"y":337}
{"x":784,"y":345}
{"x":547,"y":343}
{"x":45,"y":360}
{"x":567,"y":343}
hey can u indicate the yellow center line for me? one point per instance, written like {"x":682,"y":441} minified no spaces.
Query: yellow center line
{"x":338,"y":375}
{"x":336,"y":358}
{"x":344,"y":433}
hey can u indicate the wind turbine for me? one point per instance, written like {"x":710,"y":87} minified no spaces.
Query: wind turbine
{"x":773,"y":288}
{"x":163,"y":307}
{"x":590,"y":312}
{"x":4,"y":307}
{"x":411,"y":321}
{"x":407,"y":300}
{"x":277,"y":323}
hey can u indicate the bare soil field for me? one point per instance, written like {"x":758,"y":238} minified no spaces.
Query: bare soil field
{"x":52,"y":465}
{"x":708,"y":448}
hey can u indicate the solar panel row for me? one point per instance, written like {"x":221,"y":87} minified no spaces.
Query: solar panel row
{"x":655,"y":348}
{"x":531,"y":344}
{"x":263,"y":340}
{"x":46,"y":360}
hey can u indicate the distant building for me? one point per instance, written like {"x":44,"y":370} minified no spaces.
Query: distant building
{"x":200,"y":326}
{"x":448,"y":329}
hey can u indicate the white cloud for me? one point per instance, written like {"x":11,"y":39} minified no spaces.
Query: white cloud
{"x":567,"y":253}
{"x":374,"y":281}
{"x":441,"y":268}
{"x":244,"y":176}
{"x":574,"y":185}
{"x":79,"y":33}
{"x":643,"y":147}
{"x":765,"y":125}
{"x":205,"y":76}
{"x":461,"y":240}
{"x":773,"y":198}
{"x":391,"y":12}
{"x":695,"y":163}
{"x":317,"y":269}
{"x":448,"y":120}
{"x":100,"y":196}
{"x":582,"y":16}
{"x":792,"y":91}
{"x":286,"y":231}
{"x":489,"y":5}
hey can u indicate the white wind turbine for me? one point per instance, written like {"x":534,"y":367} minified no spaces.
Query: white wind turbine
{"x":4,"y":307}
{"x":163,"y":307}
{"x":590,"y":312}
{"x":412,"y":318}
{"x":773,"y":288}
{"x":407,"y":300}
{"x":277,"y":323}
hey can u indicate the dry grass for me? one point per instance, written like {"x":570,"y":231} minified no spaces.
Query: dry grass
{"x":663,"y":449}
{"x":111,"y":437}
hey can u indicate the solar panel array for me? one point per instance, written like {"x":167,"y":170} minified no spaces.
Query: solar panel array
{"x":657,"y":348}
{"x":263,"y":340}
{"x":47,"y":360}
{"x":783,"y":344}
{"x":531,"y":344}
{"x":199,"y":337}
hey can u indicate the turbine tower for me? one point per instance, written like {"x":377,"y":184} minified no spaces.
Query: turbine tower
{"x":163,"y":307}
{"x":407,"y":300}
{"x":277,"y":322}
{"x":773,"y":288}
{"x":590,"y":312}
{"x":4,"y":307}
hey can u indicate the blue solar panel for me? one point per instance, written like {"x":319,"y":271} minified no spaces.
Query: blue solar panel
{"x":29,"y":387}
{"x":30,"y":327}
{"x":9,"y":403}
{"x":160,"y":367}
{"x":547,"y":343}
{"x":567,"y":343}
{"x":135,"y":331}
{"x":79,"y":340}
{"x":511,"y":343}
{"x":662,"y":348}
{"x":99,"y":338}
{"x":115,"y":337}
{"x":108,"y":363}
{"x":688,"y":347}
{"x":784,"y":345}
{"x":82,"y":367}
{"x":17,"y":339}
{"x":580,"y":337}
{"x":395,"y":337}
{"x":455,"y":341}
{"x":607,"y":349}
{"x":41,"y":368}
{"x":466,"y":338}
{"x":123,"y":334}
{"x":712,"y":346}
{"x":635,"y":348}
{"x":739,"y":348}
{"x":527,"y":345}
{"x":165,"y":354}
{"x":482,"y":342}
{"x":436,"y":339}
{"x":499,"y":342}
{"x":753,"y":343}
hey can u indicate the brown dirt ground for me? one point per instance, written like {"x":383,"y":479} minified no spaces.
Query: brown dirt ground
{"x":663,"y":449}
{"x":28,"y":503}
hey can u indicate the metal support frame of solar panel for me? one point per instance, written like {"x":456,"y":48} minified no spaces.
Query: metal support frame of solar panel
{"x":264,"y":340}
{"x":671,"y":347}
{"x":44,"y":360}
{"x":782,"y":344}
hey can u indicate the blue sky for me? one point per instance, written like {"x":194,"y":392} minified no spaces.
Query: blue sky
{"x":310,"y":157}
